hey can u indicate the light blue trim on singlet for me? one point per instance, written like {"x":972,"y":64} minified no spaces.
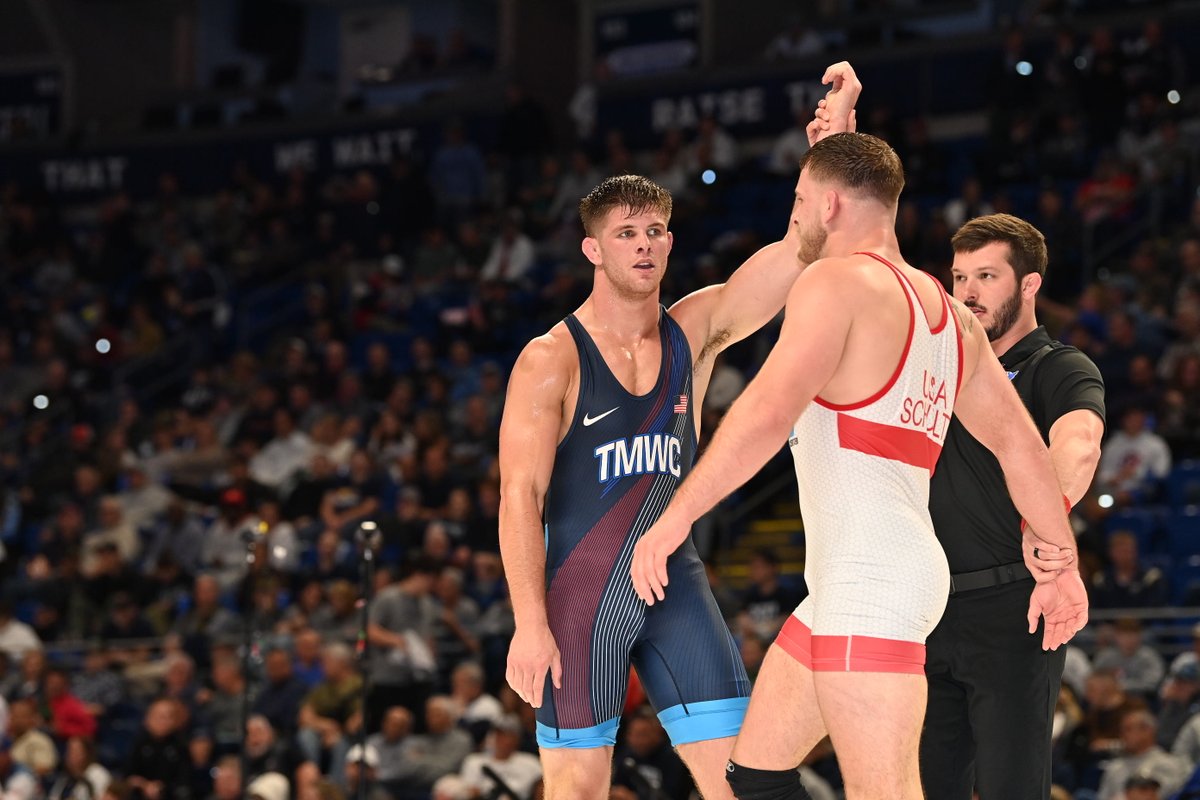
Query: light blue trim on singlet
{"x":602,"y":735}
{"x":699,"y":722}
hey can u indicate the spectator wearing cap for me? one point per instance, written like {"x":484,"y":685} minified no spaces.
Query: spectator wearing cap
{"x":1179,"y":701}
{"x":16,"y":780}
{"x":16,"y":638}
{"x":501,"y":757}
{"x":362,"y":765}
{"x":30,"y":746}
{"x":1192,"y":655}
{"x":1141,"y":756}
{"x":1139,"y":665}
{"x":225,"y":547}
{"x":271,"y":786}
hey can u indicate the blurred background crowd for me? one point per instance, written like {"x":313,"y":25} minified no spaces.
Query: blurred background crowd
{"x":236,"y":404}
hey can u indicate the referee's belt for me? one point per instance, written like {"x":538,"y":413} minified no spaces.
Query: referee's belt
{"x":987,"y":578}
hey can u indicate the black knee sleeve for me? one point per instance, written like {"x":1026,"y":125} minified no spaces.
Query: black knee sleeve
{"x":764,"y":784}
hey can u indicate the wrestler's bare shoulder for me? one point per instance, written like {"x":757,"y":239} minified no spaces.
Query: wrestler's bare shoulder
{"x":548,"y":357}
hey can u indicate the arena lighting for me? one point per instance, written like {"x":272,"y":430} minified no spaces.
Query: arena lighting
{"x":709,"y":177}
{"x":103,"y":346}
{"x":1173,"y":97}
{"x":41,"y":402}
{"x":1024,"y":68}
{"x":372,"y":208}
{"x":1080,"y":62}
{"x":1105,"y":501}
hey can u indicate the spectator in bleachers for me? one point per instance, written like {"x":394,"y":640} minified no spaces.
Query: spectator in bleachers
{"x":645,"y":763}
{"x":1179,"y":412}
{"x":475,"y":709}
{"x":1125,"y":582}
{"x":227,"y":779}
{"x":31,"y":747}
{"x":29,"y":676}
{"x":97,"y":686}
{"x":501,"y":757}
{"x":1105,"y":703}
{"x":437,"y":752}
{"x":400,"y":631}
{"x":222,"y":706}
{"x":512,"y":254}
{"x":206,"y":620}
{"x":1133,"y":460}
{"x":455,"y":627}
{"x":265,"y":752}
{"x":224,"y":555}
{"x":457,"y":174}
{"x":307,"y":663}
{"x":339,"y":619}
{"x":81,"y":776}
{"x":362,"y":770}
{"x":284,"y":455}
{"x":331,"y":711}
{"x":329,"y":560}
{"x":114,"y":529}
{"x":1179,"y":701}
{"x":1139,"y":666}
{"x":16,"y":638}
{"x":69,"y":717}
{"x":1141,"y":756}
{"x":711,"y":148}
{"x":281,"y":693}
{"x":16,"y":781}
{"x":767,"y":602}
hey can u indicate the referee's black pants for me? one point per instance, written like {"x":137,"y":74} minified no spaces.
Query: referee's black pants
{"x":992,"y":692}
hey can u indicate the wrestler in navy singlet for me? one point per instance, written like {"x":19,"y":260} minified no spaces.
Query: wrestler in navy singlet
{"x":614,"y":472}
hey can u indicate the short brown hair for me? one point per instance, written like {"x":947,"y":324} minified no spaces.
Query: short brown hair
{"x":632,"y":192}
{"x":1026,"y":245}
{"x":858,"y":161}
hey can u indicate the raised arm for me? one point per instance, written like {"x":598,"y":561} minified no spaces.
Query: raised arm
{"x":529,"y":433}
{"x":754,"y":294}
{"x":806,"y":356}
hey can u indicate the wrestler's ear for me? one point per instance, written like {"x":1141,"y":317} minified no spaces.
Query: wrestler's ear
{"x":591,"y":250}
{"x":833,"y":204}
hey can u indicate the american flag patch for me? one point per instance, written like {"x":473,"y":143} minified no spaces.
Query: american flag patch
{"x":681,"y":406}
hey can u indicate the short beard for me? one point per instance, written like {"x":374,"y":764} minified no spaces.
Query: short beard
{"x":1005,"y":316}
{"x":812,"y":245}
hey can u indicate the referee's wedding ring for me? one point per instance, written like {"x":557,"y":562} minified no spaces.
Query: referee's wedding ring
{"x":1035,"y":553}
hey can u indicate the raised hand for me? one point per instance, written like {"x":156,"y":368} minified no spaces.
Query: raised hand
{"x":835,"y":111}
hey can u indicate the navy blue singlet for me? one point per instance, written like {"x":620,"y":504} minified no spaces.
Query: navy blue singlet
{"x":614,"y":473}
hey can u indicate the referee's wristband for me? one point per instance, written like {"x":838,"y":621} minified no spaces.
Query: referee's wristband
{"x":1066,"y":505}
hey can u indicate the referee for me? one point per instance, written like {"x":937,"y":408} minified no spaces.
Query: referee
{"x":992,"y":689}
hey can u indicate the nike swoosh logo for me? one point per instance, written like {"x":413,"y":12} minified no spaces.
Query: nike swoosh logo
{"x":590,"y":420}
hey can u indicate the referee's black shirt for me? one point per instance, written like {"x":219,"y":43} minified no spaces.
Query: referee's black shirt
{"x":973,"y":516}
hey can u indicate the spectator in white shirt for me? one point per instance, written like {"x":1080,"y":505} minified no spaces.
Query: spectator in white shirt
{"x":519,"y":771}
{"x":1133,"y":458}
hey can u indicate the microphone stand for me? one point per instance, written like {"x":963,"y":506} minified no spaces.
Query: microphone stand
{"x":251,"y":538}
{"x":368,"y":538}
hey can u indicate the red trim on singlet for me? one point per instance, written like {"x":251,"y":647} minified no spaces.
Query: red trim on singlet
{"x":945,"y":303}
{"x":906,"y":445}
{"x":912,"y":322}
{"x":850,"y":653}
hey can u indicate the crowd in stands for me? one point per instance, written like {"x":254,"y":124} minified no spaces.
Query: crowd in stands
{"x":185,"y":547}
